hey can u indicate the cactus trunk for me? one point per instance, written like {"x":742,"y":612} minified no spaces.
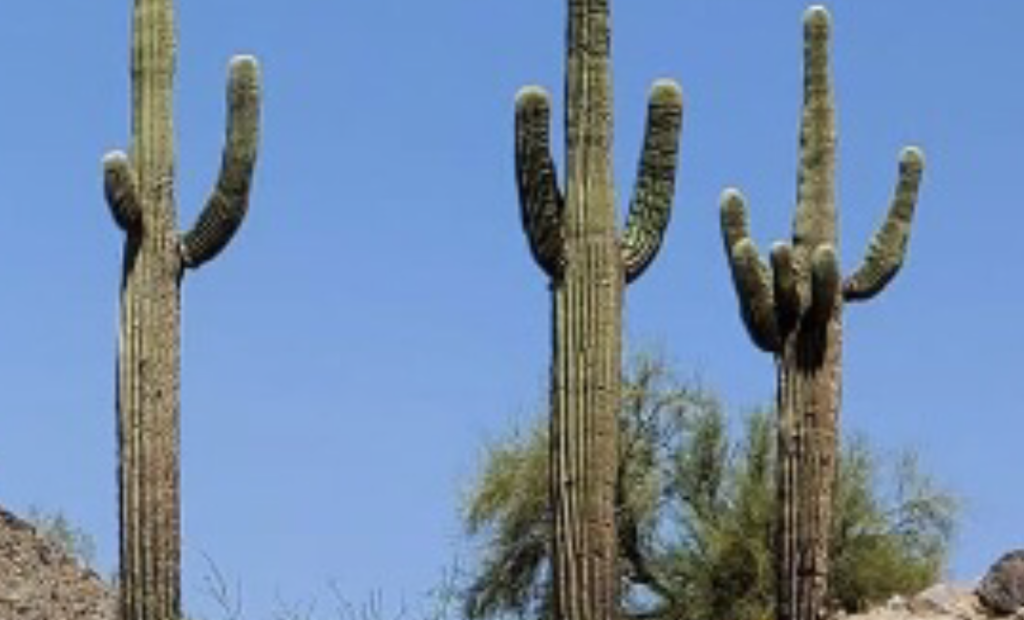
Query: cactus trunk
{"x":149,"y":352}
{"x":584,"y":437}
{"x":576,"y":242}
{"x":140,"y":192}
{"x":808,"y":402}
{"x":587,"y":338}
{"x":794,"y":311}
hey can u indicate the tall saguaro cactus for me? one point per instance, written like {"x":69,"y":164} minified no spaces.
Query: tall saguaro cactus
{"x":140,"y":192}
{"x":574,"y":238}
{"x":793,"y":310}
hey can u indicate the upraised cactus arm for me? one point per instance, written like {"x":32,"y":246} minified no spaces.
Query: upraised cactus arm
{"x":889,"y":245}
{"x":825,"y":281}
{"x":788,"y":304}
{"x":750,"y":274}
{"x":121,"y":189}
{"x":540,"y":199}
{"x":227,"y":205}
{"x":651,"y":206}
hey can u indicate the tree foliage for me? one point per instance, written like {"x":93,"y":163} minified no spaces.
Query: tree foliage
{"x":695,"y":509}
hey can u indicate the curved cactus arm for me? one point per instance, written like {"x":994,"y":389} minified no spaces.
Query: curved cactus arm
{"x":750,"y":274}
{"x":651,"y":206}
{"x":787,"y":294}
{"x":227,"y":205}
{"x":889,"y":246}
{"x":540,"y":199}
{"x":754,"y":289}
{"x":825,"y":281}
{"x":121,"y":189}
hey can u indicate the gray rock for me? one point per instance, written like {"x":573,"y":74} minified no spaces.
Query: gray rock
{"x":1001,"y":591}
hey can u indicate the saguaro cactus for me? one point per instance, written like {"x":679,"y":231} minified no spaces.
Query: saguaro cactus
{"x":794,"y":311}
{"x":140,"y":192}
{"x":574,"y":239}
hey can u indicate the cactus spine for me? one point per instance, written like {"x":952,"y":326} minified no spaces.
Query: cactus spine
{"x":574,"y":240}
{"x":140,"y":193}
{"x":794,"y":311}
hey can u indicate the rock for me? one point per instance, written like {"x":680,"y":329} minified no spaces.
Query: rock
{"x":40,"y":582}
{"x":942,"y":601}
{"x":1001,"y":591}
{"x":945,"y":599}
{"x":896,"y":604}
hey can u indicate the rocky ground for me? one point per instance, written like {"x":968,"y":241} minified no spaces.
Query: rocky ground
{"x":945,"y":601}
{"x":998,"y":595}
{"x":40,"y":582}
{"x":939,"y":602}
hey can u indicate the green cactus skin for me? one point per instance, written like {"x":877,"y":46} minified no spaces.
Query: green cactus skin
{"x":575,"y":241}
{"x":140,"y":193}
{"x":793,"y":309}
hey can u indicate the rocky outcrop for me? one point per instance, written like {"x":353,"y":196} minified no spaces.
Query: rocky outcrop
{"x":1001,"y":591}
{"x":38,"y":581}
{"x":945,"y":601}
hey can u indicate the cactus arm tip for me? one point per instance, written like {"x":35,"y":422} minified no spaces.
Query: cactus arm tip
{"x":733,"y":213}
{"x":540,"y":199}
{"x":229,"y":201}
{"x":651,"y":206}
{"x":888,"y":247}
{"x":531,"y":96}
{"x":817,"y":18}
{"x":667,"y":91}
{"x":119,"y":185}
{"x":246,"y":62}
{"x":817,"y":31}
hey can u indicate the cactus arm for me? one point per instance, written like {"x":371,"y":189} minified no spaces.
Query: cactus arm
{"x":788,"y":305}
{"x":540,"y":199}
{"x":651,"y":206}
{"x":825,"y":281}
{"x":121,"y":189}
{"x":751,"y":276}
{"x":889,"y":246}
{"x":754,"y":289}
{"x":227,"y":205}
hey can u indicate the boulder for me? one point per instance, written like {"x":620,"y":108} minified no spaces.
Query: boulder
{"x":1001,"y":591}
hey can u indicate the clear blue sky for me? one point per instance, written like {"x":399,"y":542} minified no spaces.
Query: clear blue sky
{"x":379,"y":317}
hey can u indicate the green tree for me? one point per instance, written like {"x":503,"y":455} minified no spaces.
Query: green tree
{"x":696,"y":512}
